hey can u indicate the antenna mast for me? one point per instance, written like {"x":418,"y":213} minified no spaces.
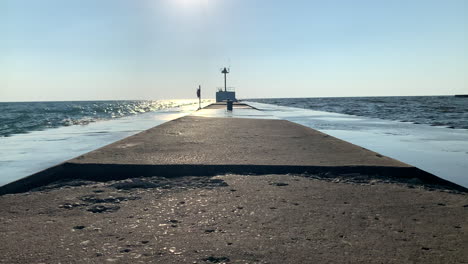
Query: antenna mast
{"x":225,"y":71}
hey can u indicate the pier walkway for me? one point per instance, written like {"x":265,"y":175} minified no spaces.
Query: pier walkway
{"x":233,"y":187}
{"x":215,"y":141}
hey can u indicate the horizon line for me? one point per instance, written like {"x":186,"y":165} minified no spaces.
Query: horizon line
{"x":106,"y":100}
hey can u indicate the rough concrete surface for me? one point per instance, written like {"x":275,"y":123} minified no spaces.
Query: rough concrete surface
{"x":199,"y":140}
{"x":234,"y":219}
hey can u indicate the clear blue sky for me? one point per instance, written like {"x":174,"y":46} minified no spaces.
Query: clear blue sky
{"x":162,"y":49}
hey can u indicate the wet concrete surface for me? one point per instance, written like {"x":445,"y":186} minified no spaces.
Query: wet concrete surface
{"x":223,"y":105}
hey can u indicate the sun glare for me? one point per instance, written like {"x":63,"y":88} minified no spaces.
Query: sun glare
{"x":191,"y":5}
{"x":187,"y":3}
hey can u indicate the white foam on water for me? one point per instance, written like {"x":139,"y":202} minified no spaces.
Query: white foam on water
{"x":438,"y":150}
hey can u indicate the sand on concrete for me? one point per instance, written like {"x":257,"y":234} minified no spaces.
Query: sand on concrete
{"x":234,"y":219}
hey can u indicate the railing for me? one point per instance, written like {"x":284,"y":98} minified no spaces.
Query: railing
{"x":228,"y":89}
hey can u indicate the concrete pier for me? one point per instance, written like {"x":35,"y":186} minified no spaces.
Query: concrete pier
{"x":199,"y":145}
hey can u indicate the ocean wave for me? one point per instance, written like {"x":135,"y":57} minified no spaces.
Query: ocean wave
{"x":24,"y":117}
{"x":445,"y":111}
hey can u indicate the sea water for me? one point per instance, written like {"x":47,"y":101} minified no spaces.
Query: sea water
{"x":431,"y":143}
{"x":444,"y":111}
{"x":38,"y":135}
{"x":24,"y":117}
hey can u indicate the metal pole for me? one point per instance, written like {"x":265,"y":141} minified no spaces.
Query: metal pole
{"x":199,"y":98}
{"x":225,"y":87}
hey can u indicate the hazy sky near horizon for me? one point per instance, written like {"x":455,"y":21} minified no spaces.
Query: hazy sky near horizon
{"x":163,"y":49}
